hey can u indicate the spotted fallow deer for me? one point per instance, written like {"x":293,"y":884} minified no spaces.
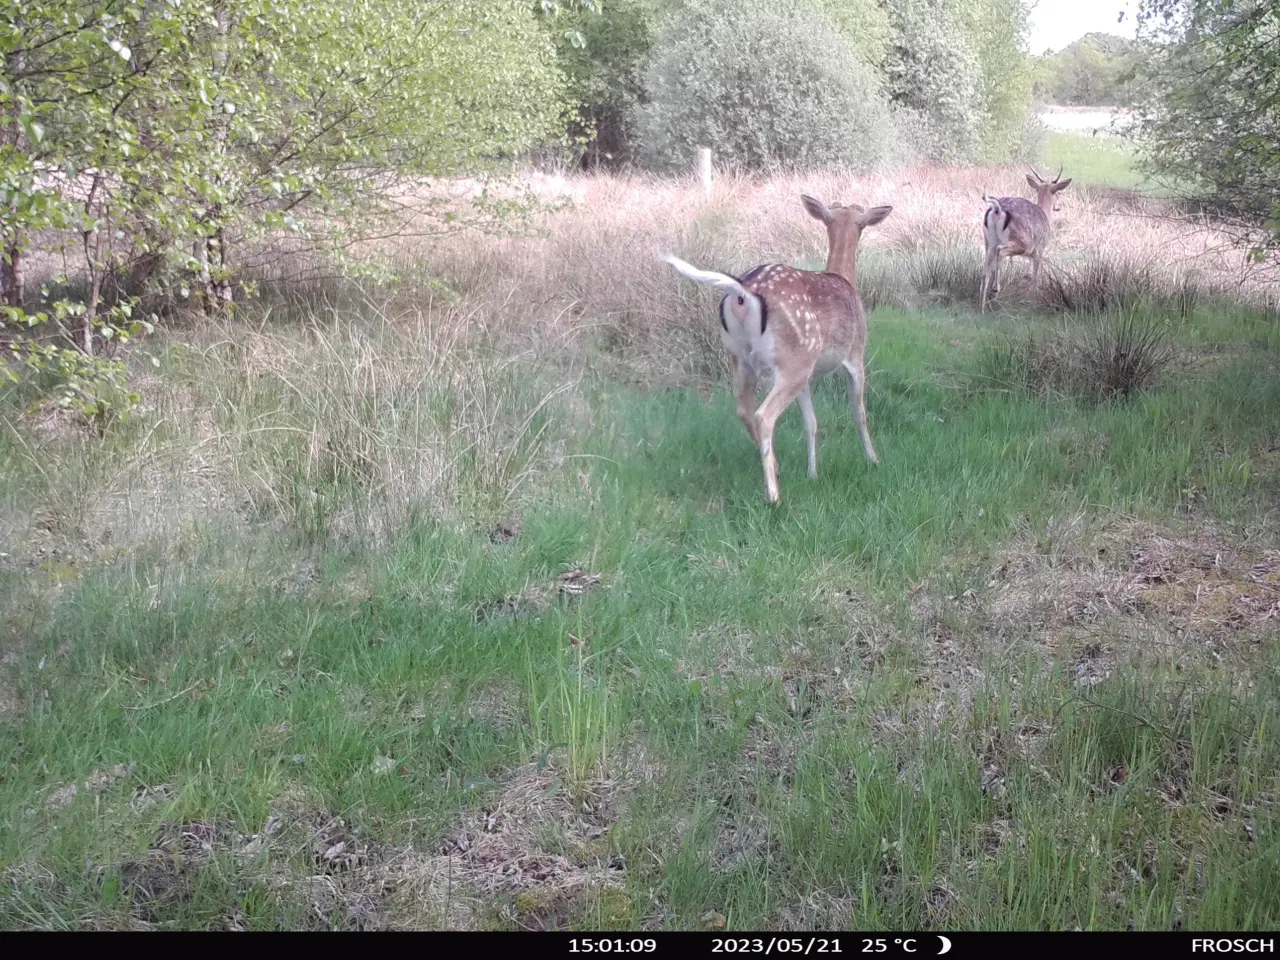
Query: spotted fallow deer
{"x":796,"y":325}
{"x":1014,"y":227}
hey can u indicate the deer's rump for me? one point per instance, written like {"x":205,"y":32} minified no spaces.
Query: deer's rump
{"x":1015,"y":220}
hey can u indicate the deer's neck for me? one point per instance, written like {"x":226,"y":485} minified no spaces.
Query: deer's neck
{"x":1046,"y":204}
{"x":842,"y":258}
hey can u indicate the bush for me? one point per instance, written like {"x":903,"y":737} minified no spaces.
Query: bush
{"x":766,"y":88}
{"x":943,"y":274}
{"x":1209,"y":117}
{"x":1109,"y":358}
{"x":996,"y":31}
{"x":1098,"y":284}
{"x":603,"y":56}
{"x":864,"y":23}
{"x":934,"y":80}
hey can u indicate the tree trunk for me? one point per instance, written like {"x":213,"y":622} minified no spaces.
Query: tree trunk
{"x":12,"y":274}
{"x":11,"y":270}
{"x":216,"y":258}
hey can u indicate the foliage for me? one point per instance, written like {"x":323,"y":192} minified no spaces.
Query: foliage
{"x":1096,"y":70}
{"x":1212,"y":115}
{"x":810,"y":101}
{"x":934,"y":80}
{"x":165,"y":144}
{"x":996,"y":31}
{"x":603,"y":54}
{"x":865,"y":23}
{"x":94,"y":386}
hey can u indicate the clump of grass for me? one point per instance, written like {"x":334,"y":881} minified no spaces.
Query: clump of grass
{"x":1100,"y":283}
{"x":1109,"y":358}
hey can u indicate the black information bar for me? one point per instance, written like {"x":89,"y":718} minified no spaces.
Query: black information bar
{"x":1035,"y":946}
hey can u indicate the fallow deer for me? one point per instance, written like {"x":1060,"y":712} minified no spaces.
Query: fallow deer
{"x":796,"y":325}
{"x":1014,"y":227}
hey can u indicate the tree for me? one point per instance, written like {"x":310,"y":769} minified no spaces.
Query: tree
{"x":996,"y":31}
{"x":809,"y":101}
{"x":170,"y":141}
{"x":1210,"y":127}
{"x":602,"y":53}
{"x":934,"y":78}
{"x":865,"y":24}
{"x":1096,"y":70}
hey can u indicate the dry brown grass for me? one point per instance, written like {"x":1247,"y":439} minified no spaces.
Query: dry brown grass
{"x":594,"y":267}
{"x":1095,"y":595}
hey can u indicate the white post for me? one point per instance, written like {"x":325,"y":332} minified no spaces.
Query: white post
{"x":704,"y":169}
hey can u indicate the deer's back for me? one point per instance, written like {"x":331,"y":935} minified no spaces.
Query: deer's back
{"x":812,"y":312}
{"x":790,"y":290}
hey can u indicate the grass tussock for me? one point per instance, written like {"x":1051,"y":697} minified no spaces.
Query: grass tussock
{"x":1109,"y":357}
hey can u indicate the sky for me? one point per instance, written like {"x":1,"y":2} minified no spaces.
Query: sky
{"x":1056,"y":23}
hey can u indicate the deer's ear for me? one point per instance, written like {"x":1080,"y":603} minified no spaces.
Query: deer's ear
{"x":1061,"y":185}
{"x":815,"y":208}
{"x":1035,"y":184}
{"x":875,"y":215}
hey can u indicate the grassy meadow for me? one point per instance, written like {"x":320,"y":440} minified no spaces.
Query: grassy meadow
{"x":455,"y":602}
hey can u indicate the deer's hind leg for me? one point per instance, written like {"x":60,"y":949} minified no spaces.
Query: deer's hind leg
{"x":746,"y":386}
{"x":805,"y":399}
{"x":786,"y":388}
{"x":990,"y":276}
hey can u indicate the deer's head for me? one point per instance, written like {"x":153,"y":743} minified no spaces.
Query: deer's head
{"x":844,"y":227}
{"x":1046,"y":190}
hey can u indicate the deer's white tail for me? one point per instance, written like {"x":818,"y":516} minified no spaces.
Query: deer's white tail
{"x":995,"y":223}
{"x":745,"y":307}
{"x":721,"y":281}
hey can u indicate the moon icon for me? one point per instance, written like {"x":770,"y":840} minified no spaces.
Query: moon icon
{"x":946,"y":945}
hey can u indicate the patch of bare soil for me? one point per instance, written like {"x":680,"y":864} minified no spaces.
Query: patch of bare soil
{"x":537,"y":845}
{"x":1092,"y":600}
{"x":535,"y":598}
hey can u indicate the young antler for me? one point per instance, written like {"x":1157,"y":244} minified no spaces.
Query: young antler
{"x":1014,"y":227}
{"x":796,"y":325}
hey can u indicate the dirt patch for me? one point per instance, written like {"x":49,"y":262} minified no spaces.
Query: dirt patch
{"x":527,"y":857}
{"x":535,"y":834}
{"x":1091,"y":598}
{"x":1211,"y":592}
{"x":62,"y":795}
{"x":11,"y":704}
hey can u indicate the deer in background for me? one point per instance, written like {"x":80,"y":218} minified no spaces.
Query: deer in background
{"x":796,"y":325}
{"x":1014,"y":227}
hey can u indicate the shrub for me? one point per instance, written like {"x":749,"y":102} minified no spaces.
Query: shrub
{"x":934,"y":80}
{"x":1109,"y":358}
{"x":603,"y":56}
{"x":996,"y":31}
{"x":937,"y":275}
{"x":1098,"y":284}
{"x":764,"y":87}
{"x":864,"y":23}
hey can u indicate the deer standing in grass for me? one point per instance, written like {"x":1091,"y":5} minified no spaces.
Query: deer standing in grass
{"x":1014,"y":227}
{"x":796,"y":325}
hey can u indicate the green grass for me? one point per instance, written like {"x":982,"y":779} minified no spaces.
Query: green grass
{"x":1092,"y":161}
{"x":868,"y":707}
